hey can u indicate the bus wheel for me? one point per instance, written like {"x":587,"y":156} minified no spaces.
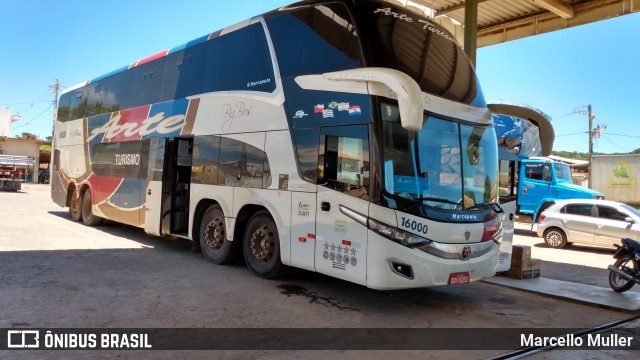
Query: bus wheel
{"x":213,"y":238}
{"x":75,"y":207}
{"x":261,"y":246}
{"x":88,"y":218}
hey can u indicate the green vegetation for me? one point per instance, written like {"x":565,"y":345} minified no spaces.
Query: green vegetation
{"x":585,"y":156}
{"x":571,"y":155}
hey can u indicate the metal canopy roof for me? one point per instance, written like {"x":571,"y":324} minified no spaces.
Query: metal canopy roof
{"x":504,"y":20}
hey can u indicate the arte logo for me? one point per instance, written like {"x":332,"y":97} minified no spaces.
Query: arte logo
{"x":426,"y":25}
{"x":154,"y":124}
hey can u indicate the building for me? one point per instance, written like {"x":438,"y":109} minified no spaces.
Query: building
{"x":579,"y":169}
{"x":5,"y":121}
{"x":22,"y":155}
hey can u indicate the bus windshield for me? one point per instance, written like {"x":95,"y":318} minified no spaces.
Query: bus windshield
{"x":445,"y":165}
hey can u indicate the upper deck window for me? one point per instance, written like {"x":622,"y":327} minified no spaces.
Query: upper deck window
{"x":236,"y":61}
{"x":315,"y":40}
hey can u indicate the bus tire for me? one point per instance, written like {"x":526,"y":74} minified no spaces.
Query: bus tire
{"x":213,"y":238}
{"x":75,"y":207}
{"x":88,"y":217}
{"x":261,"y":246}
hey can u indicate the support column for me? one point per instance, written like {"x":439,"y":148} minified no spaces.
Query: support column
{"x":471,"y":29}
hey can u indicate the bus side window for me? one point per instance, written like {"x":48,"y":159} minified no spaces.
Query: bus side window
{"x":231,"y":153}
{"x":343,"y":160}
{"x":315,"y":40}
{"x":204,"y":167}
{"x":252,"y":164}
{"x":64,"y":107}
{"x":147,"y":82}
{"x":306,"y":143}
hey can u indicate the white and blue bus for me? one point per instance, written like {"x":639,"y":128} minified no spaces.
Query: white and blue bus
{"x":345,"y":137}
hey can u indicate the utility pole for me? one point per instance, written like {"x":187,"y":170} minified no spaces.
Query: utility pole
{"x":591,"y":117}
{"x":56,"y":87}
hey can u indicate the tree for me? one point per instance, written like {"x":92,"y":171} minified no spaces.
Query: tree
{"x":26,"y":135}
{"x":572,"y":155}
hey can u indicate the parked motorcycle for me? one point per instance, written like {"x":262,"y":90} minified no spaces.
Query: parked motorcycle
{"x":623,"y":274}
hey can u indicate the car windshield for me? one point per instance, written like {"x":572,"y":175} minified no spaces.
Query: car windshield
{"x":446,"y":164}
{"x":563,"y":173}
{"x":631,"y":209}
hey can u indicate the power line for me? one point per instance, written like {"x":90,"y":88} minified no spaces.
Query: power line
{"x":631,"y":136}
{"x":575,"y":111}
{"x":577,"y":133}
{"x":32,"y":104}
{"x":34,"y":119}
{"x":620,"y":147}
{"x":29,"y":103}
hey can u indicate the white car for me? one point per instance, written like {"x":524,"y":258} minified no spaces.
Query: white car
{"x":586,"y":221}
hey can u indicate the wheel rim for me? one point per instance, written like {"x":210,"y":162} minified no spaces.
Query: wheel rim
{"x":263,"y":243}
{"x":618,"y":280}
{"x":214,"y":233}
{"x":554,"y":238}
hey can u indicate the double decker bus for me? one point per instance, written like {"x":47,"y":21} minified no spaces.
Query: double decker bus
{"x":346,"y":137}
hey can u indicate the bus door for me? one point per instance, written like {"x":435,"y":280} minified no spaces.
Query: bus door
{"x":176,"y":186}
{"x":169,"y":179}
{"x":154,"y":193}
{"x":343,"y":186}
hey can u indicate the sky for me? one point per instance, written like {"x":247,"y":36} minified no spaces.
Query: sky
{"x":76,"y":40}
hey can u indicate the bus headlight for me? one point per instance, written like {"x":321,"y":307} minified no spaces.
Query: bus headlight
{"x":400,"y":236}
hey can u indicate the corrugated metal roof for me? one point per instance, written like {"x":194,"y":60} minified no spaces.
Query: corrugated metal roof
{"x":505,"y":20}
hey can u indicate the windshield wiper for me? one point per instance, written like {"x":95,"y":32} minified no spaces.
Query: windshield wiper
{"x":419,"y":200}
{"x":432,"y":198}
{"x":494,"y":206}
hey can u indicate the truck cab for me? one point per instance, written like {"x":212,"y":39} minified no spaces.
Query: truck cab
{"x":543,"y":180}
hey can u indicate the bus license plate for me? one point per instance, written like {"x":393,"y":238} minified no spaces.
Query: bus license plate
{"x":459,"y":278}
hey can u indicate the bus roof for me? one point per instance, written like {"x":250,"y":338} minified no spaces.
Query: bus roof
{"x":166,"y":52}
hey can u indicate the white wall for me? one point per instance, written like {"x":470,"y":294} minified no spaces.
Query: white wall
{"x":616,"y":176}
{"x":5,"y":122}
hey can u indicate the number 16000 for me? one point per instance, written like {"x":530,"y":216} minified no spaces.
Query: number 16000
{"x":414,"y":225}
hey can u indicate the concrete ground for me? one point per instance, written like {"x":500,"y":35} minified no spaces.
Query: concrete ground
{"x":55,"y":273}
{"x":583,"y":264}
